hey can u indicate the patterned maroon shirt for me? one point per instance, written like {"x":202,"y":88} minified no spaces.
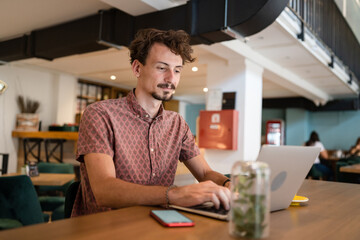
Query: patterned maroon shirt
{"x":145,"y":151}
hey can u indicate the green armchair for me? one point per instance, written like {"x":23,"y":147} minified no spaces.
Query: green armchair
{"x":48,"y":200}
{"x":19,"y":202}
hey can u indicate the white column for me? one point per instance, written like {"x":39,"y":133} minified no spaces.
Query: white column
{"x":250,"y":103}
{"x":245,"y":78}
{"x":66,"y":99}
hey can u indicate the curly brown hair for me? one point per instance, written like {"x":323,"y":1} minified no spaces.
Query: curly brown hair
{"x":176,"y":41}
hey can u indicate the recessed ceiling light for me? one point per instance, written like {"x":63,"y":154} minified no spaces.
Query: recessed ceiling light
{"x":113,"y":77}
{"x":194,"y":69}
{"x":205,"y":89}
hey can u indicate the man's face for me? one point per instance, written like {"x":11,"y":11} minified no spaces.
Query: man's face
{"x":160,"y":75}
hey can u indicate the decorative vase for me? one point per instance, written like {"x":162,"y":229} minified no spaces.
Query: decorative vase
{"x":250,"y":200}
{"x":27,"y":122}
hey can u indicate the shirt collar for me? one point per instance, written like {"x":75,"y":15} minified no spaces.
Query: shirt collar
{"x":138,"y":110}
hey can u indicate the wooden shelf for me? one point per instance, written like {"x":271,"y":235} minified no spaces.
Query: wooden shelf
{"x":88,"y":97}
{"x":89,"y":92}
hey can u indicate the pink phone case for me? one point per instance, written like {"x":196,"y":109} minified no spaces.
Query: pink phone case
{"x":172,"y":224}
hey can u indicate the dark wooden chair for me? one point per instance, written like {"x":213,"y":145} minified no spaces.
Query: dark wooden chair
{"x":5,"y":163}
{"x":51,"y":147}
{"x":32,"y":147}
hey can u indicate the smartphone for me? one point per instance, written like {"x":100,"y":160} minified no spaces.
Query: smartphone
{"x":171,"y":218}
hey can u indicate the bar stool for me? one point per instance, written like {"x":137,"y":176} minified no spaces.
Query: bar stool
{"x":53,"y":144}
{"x":5,"y":161}
{"x":30,"y":145}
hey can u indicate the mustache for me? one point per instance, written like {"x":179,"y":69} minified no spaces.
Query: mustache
{"x":166,"y":85}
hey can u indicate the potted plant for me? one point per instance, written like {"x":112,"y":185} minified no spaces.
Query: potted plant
{"x":27,"y":119}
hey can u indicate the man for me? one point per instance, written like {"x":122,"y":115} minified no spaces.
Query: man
{"x":128,"y":148}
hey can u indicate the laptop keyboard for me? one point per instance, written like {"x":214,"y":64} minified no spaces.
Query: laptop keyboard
{"x":209,"y":207}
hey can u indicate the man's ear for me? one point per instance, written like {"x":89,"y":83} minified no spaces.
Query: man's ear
{"x":136,"y":68}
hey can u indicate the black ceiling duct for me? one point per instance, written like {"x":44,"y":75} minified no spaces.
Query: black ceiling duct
{"x":14,"y":49}
{"x":116,"y":28}
{"x":66,"y":39}
{"x":204,"y":20}
{"x":349,"y":104}
{"x":250,"y":17}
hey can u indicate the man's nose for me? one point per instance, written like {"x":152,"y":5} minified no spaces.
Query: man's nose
{"x":170,"y":76}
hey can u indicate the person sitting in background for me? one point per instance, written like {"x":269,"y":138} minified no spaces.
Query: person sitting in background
{"x":355,"y":150}
{"x":315,"y":141}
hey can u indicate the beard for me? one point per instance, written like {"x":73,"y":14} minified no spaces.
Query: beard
{"x":167,"y":95}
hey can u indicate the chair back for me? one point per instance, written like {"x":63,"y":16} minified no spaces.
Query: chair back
{"x":54,"y":148}
{"x":19,"y":201}
{"x":32,"y":147}
{"x":45,"y":167}
{"x":70,"y":198}
{"x":5,"y":162}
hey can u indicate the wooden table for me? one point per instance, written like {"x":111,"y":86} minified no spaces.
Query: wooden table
{"x":71,"y":136}
{"x":46,"y":134}
{"x":49,"y":179}
{"x":333,"y":212}
{"x":351,"y":168}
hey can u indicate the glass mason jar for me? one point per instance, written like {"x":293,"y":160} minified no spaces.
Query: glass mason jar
{"x":250,"y":200}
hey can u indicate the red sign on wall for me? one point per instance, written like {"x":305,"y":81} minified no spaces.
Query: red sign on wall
{"x":218,"y":129}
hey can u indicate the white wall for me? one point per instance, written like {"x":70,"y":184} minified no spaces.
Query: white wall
{"x":66,"y":99}
{"x":245,"y":78}
{"x":54,"y":91}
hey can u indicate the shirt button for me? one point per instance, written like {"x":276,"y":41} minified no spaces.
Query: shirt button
{"x":153,"y":174}
{"x":151,"y":149}
{"x":147,"y":116}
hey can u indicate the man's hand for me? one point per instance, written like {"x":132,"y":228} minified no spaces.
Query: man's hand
{"x":227,"y":185}
{"x":195,"y":194}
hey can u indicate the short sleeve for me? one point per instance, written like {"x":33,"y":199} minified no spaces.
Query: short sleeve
{"x":320,"y":145}
{"x":189,"y":148}
{"x":95,"y":132}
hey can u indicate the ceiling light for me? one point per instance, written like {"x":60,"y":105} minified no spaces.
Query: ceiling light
{"x":3,"y":87}
{"x":205,"y":89}
{"x":194,"y":69}
{"x":113,"y":77}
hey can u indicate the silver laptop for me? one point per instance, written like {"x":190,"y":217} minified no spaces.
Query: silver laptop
{"x":289,"y":166}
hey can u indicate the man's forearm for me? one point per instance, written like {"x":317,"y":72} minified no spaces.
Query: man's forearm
{"x":216,"y":177}
{"x":116,"y":193}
